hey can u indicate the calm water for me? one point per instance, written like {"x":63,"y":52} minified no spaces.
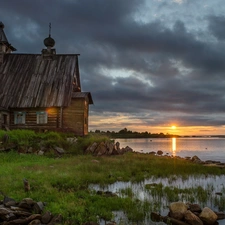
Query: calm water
{"x":204,"y":148}
{"x":211,"y":184}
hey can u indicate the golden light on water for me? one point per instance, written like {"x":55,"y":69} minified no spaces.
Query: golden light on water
{"x":174,"y":146}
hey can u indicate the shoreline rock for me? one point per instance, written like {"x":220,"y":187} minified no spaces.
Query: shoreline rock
{"x":27,"y":211}
{"x":188,"y":214}
{"x":106,"y":148}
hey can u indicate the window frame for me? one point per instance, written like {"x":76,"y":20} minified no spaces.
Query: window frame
{"x":42,"y":117}
{"x":19,"y":117}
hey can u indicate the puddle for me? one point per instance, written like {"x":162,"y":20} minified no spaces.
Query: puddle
{"x":204,"y":190}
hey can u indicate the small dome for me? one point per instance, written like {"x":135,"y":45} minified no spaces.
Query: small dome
{"x":49,"y":42}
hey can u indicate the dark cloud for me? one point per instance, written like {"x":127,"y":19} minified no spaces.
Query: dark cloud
{"x":156,"y":72}
{"x":216,"y":26}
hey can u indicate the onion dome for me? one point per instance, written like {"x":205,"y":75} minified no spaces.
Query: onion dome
{"x":49,"y":42}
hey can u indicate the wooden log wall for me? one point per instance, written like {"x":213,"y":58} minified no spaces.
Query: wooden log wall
{"x":31,"y":118}
{"x":4,"y":119}
{"x":75,"y":117}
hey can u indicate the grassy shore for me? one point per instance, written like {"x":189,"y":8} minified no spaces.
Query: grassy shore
{"x":63,"y":183}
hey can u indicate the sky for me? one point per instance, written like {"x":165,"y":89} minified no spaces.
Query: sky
{"x":149,"y":64}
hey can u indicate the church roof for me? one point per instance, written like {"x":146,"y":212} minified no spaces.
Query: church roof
{"x":29,"y":80}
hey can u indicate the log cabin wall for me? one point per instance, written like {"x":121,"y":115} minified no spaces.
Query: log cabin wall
{"x":4,"y":119}
{"x":31,"y":119}
{"x":75,"y":117}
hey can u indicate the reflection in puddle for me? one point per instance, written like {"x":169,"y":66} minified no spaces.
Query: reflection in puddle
{"x":202,"y":190}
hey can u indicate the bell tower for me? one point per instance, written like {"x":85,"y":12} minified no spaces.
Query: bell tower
{"x":49,"y":42}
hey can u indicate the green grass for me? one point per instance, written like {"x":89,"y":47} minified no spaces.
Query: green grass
{"x":63,"y":182}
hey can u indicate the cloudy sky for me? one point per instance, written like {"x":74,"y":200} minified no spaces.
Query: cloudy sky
{"x":149,"y":64}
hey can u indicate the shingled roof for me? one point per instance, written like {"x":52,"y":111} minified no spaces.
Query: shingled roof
{"x":29,"y":80}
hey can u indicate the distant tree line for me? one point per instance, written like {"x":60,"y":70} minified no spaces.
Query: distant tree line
{"x":125,"y":133}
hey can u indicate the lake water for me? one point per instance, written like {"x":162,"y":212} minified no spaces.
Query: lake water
{"x":204,"y":148}
{"x":210,"y":184}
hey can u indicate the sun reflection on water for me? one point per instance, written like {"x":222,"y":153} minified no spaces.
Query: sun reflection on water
{"x":174,"y":146}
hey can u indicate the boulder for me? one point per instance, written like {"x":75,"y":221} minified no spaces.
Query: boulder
{"x":91,"y":148}
{"x":101,"y":149}
{"x":194,"y":208}
{"x":35,"y":222}
{"x":72,"y":140}
{"x":40,"y":152}
{"x":126,"y":149}
{"x":192,"y":219}
{"x":117,"y":146}
{"x":195,"y":159}
{"x":46,"y":218}
{"x":59,"y":150}
{"x":159,"y":152}
{"x":152,"y":153}
{"x":177,"y":210}
{"x":208,"y":216}
{"x":109,"y":146}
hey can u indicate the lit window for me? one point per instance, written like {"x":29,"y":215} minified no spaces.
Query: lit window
{"x":19,"y":117}
{"x":42,"y":117}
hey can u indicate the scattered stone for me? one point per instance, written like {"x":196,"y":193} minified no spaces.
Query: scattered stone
{"x":101,"y":149}
{"x":152,"y":153}
{"x":187,"y":217}
{"x":159,"y":152}
{"x":8,"y":201}
{"x":46,"y":218}
{"x":192,"y":219}
{"x":220,"y":215}
{"x":208,"y":216}
{"x":40,"y":152}
{"x":107,"y":148}
{"x":177,"y":210}
{"x":91,"y":148}
{"x":72,"y":140}
{"x":59,"y":151}
{"x":194,"y":207}
{"x":195,"y":159}
{"x":56,"y":220}
{"x":30,"y":150}
{"x":35,"y":222}
{"x":27,"y":212}
{"x":117,"y":146}
{"x":38,"y":207}
{"x":126,"y":149}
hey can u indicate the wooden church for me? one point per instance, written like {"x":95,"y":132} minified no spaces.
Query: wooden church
{"x":41,"y":91}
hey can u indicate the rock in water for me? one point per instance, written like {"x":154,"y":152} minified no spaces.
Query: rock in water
{"x":177,"y":210}
{"x":192,"y":219}
{"x":208,"y":216}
